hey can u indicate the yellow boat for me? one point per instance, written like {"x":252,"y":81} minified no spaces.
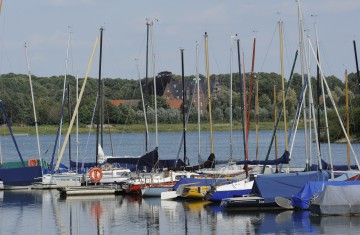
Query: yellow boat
{"x":195,"y":192}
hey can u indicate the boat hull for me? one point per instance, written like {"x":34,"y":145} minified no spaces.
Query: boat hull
{"x":219,"y":195}
{"x":21,"y":176}
{"x":248,"y":204}
{"x":154,"y":191}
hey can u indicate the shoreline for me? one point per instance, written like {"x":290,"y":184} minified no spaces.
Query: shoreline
{"x":21,"y":130}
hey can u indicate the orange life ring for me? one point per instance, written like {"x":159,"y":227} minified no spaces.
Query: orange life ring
{"x":32,"y":162}
{"x":95,"y":174}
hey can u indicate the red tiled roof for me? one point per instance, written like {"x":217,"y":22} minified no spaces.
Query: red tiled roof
{"x":174,"y":104}
{"x":125,"y":102}
{"x":116,"y":102}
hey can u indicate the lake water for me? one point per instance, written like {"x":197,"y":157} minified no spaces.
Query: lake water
{"x":44,"y":212}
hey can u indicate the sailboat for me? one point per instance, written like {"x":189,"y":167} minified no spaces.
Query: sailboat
{"x":20,"y":176}
{"x":23,"y":176}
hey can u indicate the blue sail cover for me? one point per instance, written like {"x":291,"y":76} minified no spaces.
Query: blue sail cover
{"x":327,"y":166}
{"x":21,"y":176}
{"x":284,"y":185}
{"x":145,"y":162}
{"x":284,"y":159}
{"x":314,"y":188}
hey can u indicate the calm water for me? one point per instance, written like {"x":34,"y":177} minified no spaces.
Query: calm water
{"x":43,"y":212}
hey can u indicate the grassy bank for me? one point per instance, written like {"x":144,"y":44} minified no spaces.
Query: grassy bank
{"x":135,"y":128}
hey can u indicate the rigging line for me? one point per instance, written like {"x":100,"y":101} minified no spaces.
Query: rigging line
{"x":268,"y":49}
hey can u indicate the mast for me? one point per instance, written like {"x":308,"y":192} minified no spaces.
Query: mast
{"x":244,"y":113}
{"x":283,"y":82}
{"x":257,"y":120}
{"x":250,"y":92}
{"x":318,"y":88}
{"x":69,"y":113}
{"x":183,"y":99}
{"x":99,"y":119}
{"x":33,"y":104}
{"x":347,"y":118}
{"x":241,"y":97}
{"x":146,"y":83}
{"x":198,"y":99}
{"x":208,"y":91}
{"x":231,"y":97}
{"x":77,"y":125}
{"x":144,"y":107}
{"x":275,"y":126}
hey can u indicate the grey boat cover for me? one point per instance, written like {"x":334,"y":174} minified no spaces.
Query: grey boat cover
{"x":337,"y":200}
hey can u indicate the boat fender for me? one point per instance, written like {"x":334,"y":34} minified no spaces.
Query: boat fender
{"x":95,"y":174}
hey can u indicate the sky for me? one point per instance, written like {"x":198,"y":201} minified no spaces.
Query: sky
{"x":46,"y":26}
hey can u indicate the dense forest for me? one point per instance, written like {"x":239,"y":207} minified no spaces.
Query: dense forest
{"x":48,"y":93}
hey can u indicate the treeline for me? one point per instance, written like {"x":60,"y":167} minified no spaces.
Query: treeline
{"x":48,"y":95}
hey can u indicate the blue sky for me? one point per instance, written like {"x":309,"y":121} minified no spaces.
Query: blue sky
{"x":44,"y":26}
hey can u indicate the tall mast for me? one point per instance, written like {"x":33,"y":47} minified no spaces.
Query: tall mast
{"x":69,"y":115}
{"x":183,"y":104}
{"x":283,"y":82}
{"x":146,"y":91}
{"x":77,"y":125}
{"x":347,"y":118}
{"x":208,"y":91}
{"x":34,"y":109}
{"x":198,"y":100}
{"x":231,"y":96}
{"x":144,"y":107}
{"x":318,"y":90}
{"x":257,"y":120}
{"x":275,"y":126}
{"x":241,"y":97}
{"x":99,"y":119}
{"x":250,"y":92}
{"x":244,"y":112}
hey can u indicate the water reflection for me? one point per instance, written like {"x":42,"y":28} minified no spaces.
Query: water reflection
{"x":336,"y":224}
{"x":43,"y":212}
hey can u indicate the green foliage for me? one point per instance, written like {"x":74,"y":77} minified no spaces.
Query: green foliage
{"x":48,"y":92}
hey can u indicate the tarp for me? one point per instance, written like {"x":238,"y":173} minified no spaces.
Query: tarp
{"x":149,"y":159}
{"x":312,"y":189}
{"x":337,"y":200}
{"x":209,"y":163}
{"x":284,"y":159}
{"x":284,"y":185}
